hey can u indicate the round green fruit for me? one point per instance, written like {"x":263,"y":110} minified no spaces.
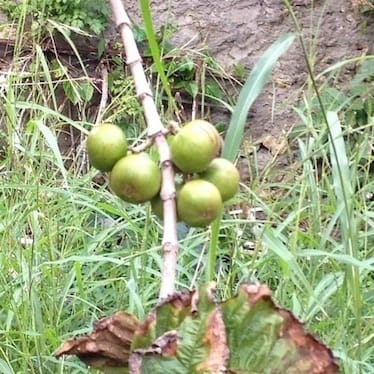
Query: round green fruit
{"x":135,"y":178}
{"x":199,"y":203}
{"x":106,"y":144}
{"x":224,"y":175}
{"x":157,"y":207}
{"x":195,"y":146}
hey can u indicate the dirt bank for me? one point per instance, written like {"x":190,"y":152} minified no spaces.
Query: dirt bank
{"x":239,"y":31}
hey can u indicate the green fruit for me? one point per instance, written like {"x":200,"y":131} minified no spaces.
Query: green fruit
{"x":224,"y":175}
{"x":135,"y":178}
{"x":199,"y":203}
{"x":157,"y":207}
{"x":195,"y":146}
{"x":106,"y":144}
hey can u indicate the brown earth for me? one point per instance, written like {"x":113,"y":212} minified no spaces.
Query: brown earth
{"x":239,"y":31}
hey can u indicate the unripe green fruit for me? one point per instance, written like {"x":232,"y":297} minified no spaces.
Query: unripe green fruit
{"x":195,"y":146}
{"x":224,"y":175}
{"x":106,"y":144}
{"x":199,"y":203}
{"x":135,"y":178}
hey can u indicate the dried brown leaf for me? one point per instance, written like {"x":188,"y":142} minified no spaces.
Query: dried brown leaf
{"x":311,"y":351}
{"x":276,"y":145}
{"x":107,"y":346}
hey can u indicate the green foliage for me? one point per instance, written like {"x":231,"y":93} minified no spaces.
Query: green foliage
{"x":356,"y":101}
{"x":234,"y":135}
{"x":85,"y":15}
{"x":181,"y":71}
{"x":77,"y":91}
{"x":71,"y":254}
{"x":124,"y":107}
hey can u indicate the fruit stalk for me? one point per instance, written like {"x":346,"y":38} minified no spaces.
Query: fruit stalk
{"x":156,"y":132}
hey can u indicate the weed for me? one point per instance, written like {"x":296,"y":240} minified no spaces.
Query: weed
{"x":88,"y":16}
{"x":71,"y":254}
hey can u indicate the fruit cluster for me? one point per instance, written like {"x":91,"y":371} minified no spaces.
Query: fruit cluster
{"x":136,"y":178}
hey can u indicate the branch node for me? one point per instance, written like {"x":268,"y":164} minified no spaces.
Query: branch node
{"x":123,"y":24}
{"x":131,"y":63}
{"x":144,"y":95}
{"x":167,"y":164}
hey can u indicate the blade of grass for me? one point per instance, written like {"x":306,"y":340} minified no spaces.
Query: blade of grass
{"x":339,"y":257}
{"x":155,"y":50}
{"x":233,"y":139}
{"x":49,"y":112}
{"x":51,"y":141}
{"x":289,"y":263}
{"x":251,"y":89}
{"x":47,"y":74}
{"x":343,"y":188}
{"x":65,"y":31}
{"x":5,"y":368}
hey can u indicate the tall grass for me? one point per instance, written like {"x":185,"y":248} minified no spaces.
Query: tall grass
{"x":71,"y":252}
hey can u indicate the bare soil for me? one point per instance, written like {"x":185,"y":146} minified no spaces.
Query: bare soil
{"x":237,"y":32}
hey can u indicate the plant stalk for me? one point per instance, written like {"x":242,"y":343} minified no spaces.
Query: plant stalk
{"x":156,"y":133}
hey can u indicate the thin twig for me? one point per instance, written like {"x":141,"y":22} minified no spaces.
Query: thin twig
{"x":104,"y":93}
{"x":155,"y":131}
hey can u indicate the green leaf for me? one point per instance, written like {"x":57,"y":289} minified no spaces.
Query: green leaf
{"x":85,"y":90}
{"x":167,"y":316}
{"x":71,"y":92}
{"x":51,"y":142}
{"x":190,"y":87}
{"x":254,"y":327}
{"x":77,"y":91}
{"x":153,"y":45}
{"x":201,"y":339}
{"x":252,"y":88}
{"x":101,"y":48}
{"x":212,"y":89}
{"x":266,"y":339}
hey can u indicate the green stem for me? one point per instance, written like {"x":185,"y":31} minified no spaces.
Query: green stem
{"x":212,"y":251}
{"x":155,"y":50}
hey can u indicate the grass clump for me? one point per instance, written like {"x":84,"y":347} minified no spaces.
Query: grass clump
{"x":88,"y":16}
{"x":71,"y":252}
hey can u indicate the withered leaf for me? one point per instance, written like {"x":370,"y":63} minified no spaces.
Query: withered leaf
{"x":274,"y":340}
{"x":215,"y":338}
{"x":107,"y":346}
{"x":191,"y":333}
{"x":276,"y":145}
